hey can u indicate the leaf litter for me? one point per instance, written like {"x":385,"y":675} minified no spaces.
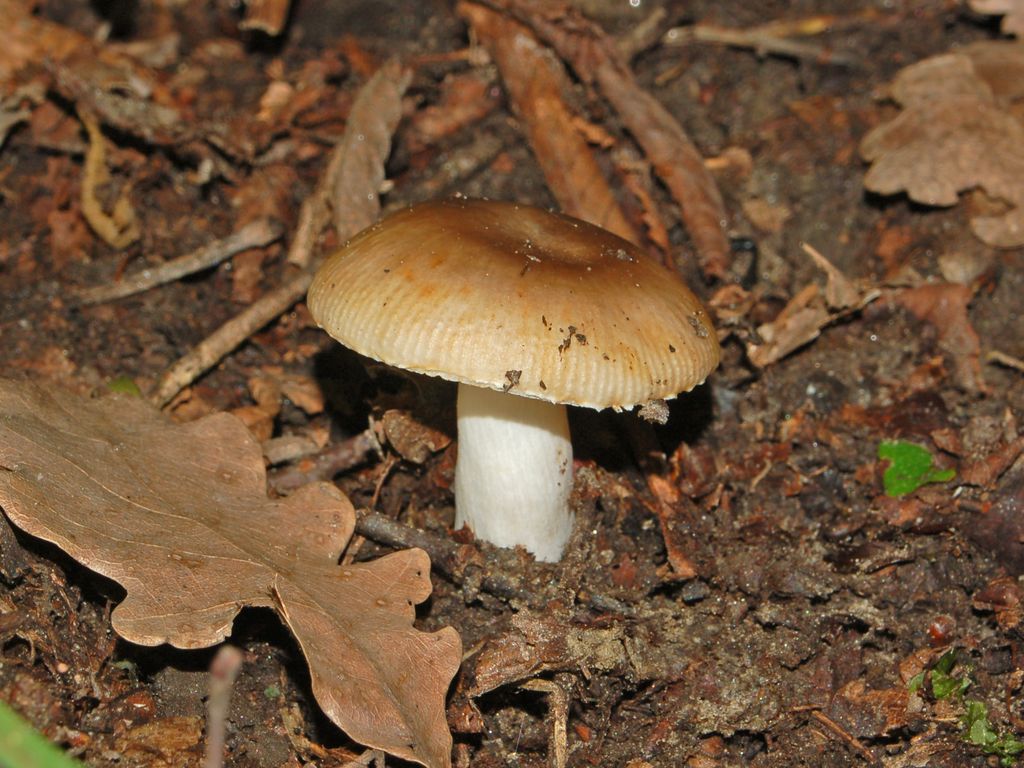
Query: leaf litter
{"x":178,"y":515}
{"x":808,"y":583}
{"x":957,"y":132}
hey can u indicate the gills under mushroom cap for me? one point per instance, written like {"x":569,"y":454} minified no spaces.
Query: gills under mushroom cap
{"x":514,"y":298}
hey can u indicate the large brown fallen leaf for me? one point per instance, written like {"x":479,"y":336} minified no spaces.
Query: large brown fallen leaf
{"x":956,"y":132}
{"x":178,"y":515}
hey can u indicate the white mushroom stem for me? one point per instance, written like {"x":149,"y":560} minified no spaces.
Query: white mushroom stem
{"x":513,"y":476}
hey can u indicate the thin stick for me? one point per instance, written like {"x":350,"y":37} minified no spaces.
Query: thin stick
{"x":253,"y":235}
{"x":756,"y":39}
{"x":332,"y":460}
{"x":845,"y":736}
{"x":214,"y":347}
{"x":1001,"y":358}
{"x":223,"y":672}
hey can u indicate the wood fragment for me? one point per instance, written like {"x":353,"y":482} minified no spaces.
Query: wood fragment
{"x":675,"y":159}
{"x":536,"y":83}
{"x":1001,"y":358}
{"x":253,"y":235}
{"x":558,"y":707}
{"x":119,"y":228}
{"x":332,"y":460}
{"x":643,"y":35}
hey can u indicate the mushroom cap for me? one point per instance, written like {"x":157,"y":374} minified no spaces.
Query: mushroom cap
{"x":518,"y":299}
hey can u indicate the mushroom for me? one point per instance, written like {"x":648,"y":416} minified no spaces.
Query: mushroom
{"x":528,"y":311}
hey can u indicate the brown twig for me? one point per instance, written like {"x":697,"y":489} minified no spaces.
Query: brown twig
{"x":253,"y":235}
{"x":329,"y":462}
{"x":762,"y":41}
{"x":845,"y":736}
{"x":218,"y":344}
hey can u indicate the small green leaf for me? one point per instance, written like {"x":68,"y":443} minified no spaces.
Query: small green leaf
{"x":910,"y":467}
{"x":914,"y":684}
{"x":125,"y":385}
{"x":946,"y":662}
{"x":944,"y":684}
{"x":980,"y":733}
{"x":22,"y":747}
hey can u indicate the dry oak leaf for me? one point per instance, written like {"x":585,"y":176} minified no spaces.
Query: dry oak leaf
{"x":954,"y":134}
{"x":178,"y":515}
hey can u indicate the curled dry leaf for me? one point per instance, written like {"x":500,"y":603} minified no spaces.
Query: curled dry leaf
{"x":944,"y":306}
{"x":955,"y":133}
{"x":799,"y":323}
{"x":1012,"y":12}
{"x":802,"y":319}
{"x":413,"y":440}
{"x":537,"y":83}
{"x":352,"y":181}
{"x":178,"y":515}
{"x":267,"y":16}
{"x":674,"y":158}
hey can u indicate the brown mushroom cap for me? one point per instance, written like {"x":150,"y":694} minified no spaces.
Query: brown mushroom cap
{"x":515,"y":298}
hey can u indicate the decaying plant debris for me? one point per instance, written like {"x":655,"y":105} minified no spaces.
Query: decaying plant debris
{"x":838,"y":183}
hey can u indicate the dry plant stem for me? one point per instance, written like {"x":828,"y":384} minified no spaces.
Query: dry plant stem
{"x":671,"y":153}
{"x":253,"y":235}
{"x":214,"y":347}
{"x":846,"y":737}
{"x":119,"y":228}
{"x":558,"y":706}
{"x":223,"y":673}
{"x":763,"y":41}
{"x":268,"y":16}
{"x":644,"y":35}
{"x":1001,"y":358}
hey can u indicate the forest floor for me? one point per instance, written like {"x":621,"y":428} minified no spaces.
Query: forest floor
{"x":744,"y":587}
